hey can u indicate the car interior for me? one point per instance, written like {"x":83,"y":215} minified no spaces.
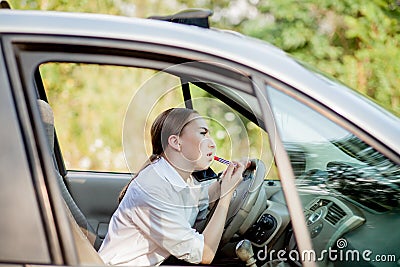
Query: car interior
{"x":84,"y":235}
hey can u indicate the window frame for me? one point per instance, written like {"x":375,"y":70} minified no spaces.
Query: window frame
{"x":40,"y":163}
{"x":36,"y":51}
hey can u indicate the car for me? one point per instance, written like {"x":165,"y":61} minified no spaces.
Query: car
{"x":79,"y":91}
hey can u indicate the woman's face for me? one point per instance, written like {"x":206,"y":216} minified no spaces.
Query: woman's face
{"x":197,"y":146}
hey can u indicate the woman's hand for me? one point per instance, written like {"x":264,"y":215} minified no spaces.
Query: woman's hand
{"x":232,"y":177}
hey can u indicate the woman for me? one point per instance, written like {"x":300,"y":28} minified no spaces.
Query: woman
{"x":161,"y":204}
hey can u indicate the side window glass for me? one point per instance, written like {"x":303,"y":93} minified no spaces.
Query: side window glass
{"x":91,"y":104}
{"x":350,"y":191}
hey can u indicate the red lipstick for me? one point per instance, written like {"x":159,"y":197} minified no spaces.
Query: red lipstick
{"x":224,"y":161}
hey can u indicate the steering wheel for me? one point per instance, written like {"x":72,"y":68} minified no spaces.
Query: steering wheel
{"x":243,"y":199}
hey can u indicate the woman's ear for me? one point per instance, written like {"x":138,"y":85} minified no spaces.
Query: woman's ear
{"x":173,"y":142}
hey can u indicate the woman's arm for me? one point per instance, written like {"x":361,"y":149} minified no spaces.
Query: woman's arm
{"x":213,"y":231}
{"x":214,"y":192}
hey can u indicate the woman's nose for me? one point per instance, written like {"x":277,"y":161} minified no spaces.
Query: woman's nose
{"x":211,"y":143}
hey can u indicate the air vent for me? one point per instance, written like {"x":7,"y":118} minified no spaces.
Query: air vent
{"x":319,"y":203}
{"x":335,"y":214}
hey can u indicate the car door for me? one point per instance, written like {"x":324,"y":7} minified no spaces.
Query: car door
{"x":21,"y":219}
{"x":34,"y":226}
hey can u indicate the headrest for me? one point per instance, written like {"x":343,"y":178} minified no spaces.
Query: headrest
{"x":48,"y":120}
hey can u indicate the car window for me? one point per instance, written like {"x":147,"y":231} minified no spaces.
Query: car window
{"x":103,"y":115}
{"x":91,"y":103}
{"x":350,"y":191}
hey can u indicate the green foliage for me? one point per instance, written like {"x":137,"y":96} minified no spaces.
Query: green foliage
{"x":354,"y":41}
{"x":90,"y":6}
{"x":89,"y":103}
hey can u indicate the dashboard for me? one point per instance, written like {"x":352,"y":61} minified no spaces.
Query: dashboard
{"x":331,"y":218}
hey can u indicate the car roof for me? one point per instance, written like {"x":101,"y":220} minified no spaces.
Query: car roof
{"x":247,"y":51}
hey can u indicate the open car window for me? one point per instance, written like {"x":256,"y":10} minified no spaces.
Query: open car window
{"x":103,"y":114}
{"x":91,"y":103}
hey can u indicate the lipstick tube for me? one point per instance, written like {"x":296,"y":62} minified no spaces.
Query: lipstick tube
{"x":224,"y":161}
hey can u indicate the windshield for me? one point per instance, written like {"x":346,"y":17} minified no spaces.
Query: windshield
{"x":387,"y":109}
{"x":328,"y":158}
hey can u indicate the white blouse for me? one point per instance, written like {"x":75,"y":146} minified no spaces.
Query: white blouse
{"x":155,"y":219}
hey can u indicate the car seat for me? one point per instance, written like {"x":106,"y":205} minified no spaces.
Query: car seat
{"x":82,"y":230}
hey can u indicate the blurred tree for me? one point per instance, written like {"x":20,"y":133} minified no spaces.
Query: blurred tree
{"x":104,"y":6}
{"x":354,"y":41}
{"x":131,"y":8}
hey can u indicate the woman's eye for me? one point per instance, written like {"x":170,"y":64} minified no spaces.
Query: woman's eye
{"x":203,"y":133}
